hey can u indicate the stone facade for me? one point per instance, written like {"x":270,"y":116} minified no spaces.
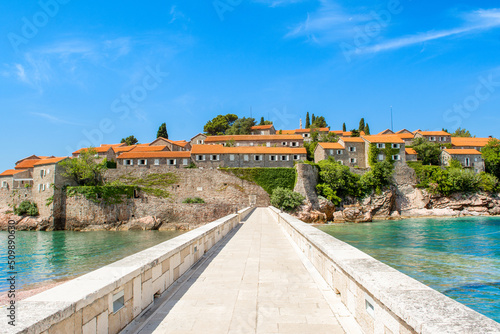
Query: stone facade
{"x":469,"y":158}
{"x":350,"y":151}
{"x":440,"y":137}
{"x":263,"y":130}
{"x":199,"y":139}
{"x":147,"y":160}
{"x":257,"y":140}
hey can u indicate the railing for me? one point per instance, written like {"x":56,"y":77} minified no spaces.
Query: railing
{"x":382,"y":299}
{"x":108,"y":299}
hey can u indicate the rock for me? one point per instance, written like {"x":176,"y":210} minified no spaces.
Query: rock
{"x":141,"y":224}
{"x":357,"y":215}
{"x":495,"y":210}
{"x":26,"y":223}
{"x":395,"y":215}
{"x":326,"y":207}
{"x":307,"y":179}
{"x":338,"y":217}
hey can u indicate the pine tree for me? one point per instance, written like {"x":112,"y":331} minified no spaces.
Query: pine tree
{"x":313,"y":119}
{"x":361,"y":125}
{"x":162,"y":131}
{"x":308,"y":121}
{"x":344,"y":128}
{"x":262,"y":122}
{"x":367,"y":129}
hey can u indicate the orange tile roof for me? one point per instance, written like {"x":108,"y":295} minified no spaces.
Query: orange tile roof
{"x":349,"y":133}
{"x":286,"y":132}
{"x":404,"y":131}
{"x":389,"y":131}
{"x":471,"y":142}
{"x":49,"y":161}
{"x":262,"y":127}
{"x":393,"y":139}
{"x":10,"y":172}
{"x":100,"y":149}
{"x":218,"y":139}
{"x":309,"y":130}
{"x":181,"y":143}
{"x":337,"y":132}
{"x":410,"y":151}
{"x":352,"y":139}
{"x":168,"y":141}
{"x":433,"y":133}
{"x":457,"y":151}
{"x":220,"y":149}
{"x":114,"y":145}
{"x":125,"y":148}
{"x":149,"y":148}
{"x":405,"y":135}
{"x":159,"y":154}
{"x":25,"y":164}
{"x":331,"y":146}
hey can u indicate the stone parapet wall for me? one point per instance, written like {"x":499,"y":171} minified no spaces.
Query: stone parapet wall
{"x":382,"y":299}
{"x":86,"y":304}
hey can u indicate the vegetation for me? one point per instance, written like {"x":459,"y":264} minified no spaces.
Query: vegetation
{"x":219,"y":124}
{"x":308,"y":121}
{"x":242,"y":126}
{"x":130,"y":140}
{"x":367,"y":129}
{"x":286,"y":199}
{"x":491,"y":156}
{"x":191,"y":165}
{"x":355,"y":133}
{"x":374,"y":151}
{"x":337,"y":181}
{"x":162,"y":131}
{"x":318,"y":122}
{"x":153,"y":184}
{"x":26,"y":208}
{"x":85,"y":170}
{"x":361,"y":125}
{"x":344,"y":127}
{"x":460,"y":133}
{"x":268,"y":178}
{"x":427,"y":152}
{"x":109,"y":194}
{"x":264,"y":122}
{"x":111,"y":164}
{"x":195,"y":200}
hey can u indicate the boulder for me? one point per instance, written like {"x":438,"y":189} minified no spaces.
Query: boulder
{"x":357,"y":215}
{"x":141,"y":224}
{"x":326,"y":207}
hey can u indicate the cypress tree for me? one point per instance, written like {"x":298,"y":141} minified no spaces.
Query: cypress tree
{"x":162,"y":131}
{"x":344,"y":128}
{"x":367,"y":129}
{"x":308,"y":121}
{"x":262,"y":121}
{"x":361,"y":125}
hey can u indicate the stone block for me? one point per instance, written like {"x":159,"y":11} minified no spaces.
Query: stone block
{"x":165,"y":265}
{"x":94,"y":309}
{"x":102,"y":323}
{"x":147,"y":293}
{"x":137,"y":296}
{"x":147,"y":275}
{"x":90,"y":327}
{"x":65,"y":326}
{"x":156,"y":272}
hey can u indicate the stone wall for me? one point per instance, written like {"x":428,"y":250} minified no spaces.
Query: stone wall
{"x":86,"y":304}
{"x":382,"y":299}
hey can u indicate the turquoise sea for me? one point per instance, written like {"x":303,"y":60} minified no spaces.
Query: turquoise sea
{"x":459,"y":257}
{"x":43,"y":257}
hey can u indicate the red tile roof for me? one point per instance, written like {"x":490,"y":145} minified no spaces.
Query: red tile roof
{"x":159,"y":154}
{"x":25,"y":164}
{"x":352,"y":139}
{"x":469,"y":142}
{"x":331,"y":146}
{"x":386,"y":132}
{"x":100,"y":149}
{"x":149,"y":148}
{"x":218,"y":139}
{"x":393,"y":139}
{"x":433,"y":133}
{"x":181,"y":143}
{"x":10,"y":172}
{"x":124,"y":148}
{"x":404,"y":131}
{"x":49,"y":161}
{"x":220,"y":149}
{"x":405,"y":135}
{"x":262,"y":127}
{"x":410,"y":151}
{"x":457,"y":151}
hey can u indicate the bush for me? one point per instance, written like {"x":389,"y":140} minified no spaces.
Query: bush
{"x":26,"y":208}
{"x":195,"y":200}
{"x":268,"y":178}
{"x":286,"y":199}
{"x":489,"y":183}
{"x":191,"y":165}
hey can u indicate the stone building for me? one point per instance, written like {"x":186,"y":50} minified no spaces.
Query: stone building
{"x":180,"y":145}
{"x":305,"y":133}
{"x":152,"y":159}
{"x":325,"y":150}
{"x":104,"y":151}
{"x":213,"y":156}
{"x":407,"y":136}
{"x":16,"y":179}
{"x":199,"y":139}
{"x":411,"y":154}
{"x":383,"y":142}
{"x":263,"y":130}
{"x":257,"y":140}
{"x":441,"y":137}
{"x":349,"y":151}
{"x":470,"y":143}
{"x":469,"y":158}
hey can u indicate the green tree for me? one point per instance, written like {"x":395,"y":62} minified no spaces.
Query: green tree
{"x":328,"y":137}
{"x":162,"y":131}
{"x":308,"y":121}
{"x":491,"y":156}
{"x":262,"y":122}
{"x":344,"y":128}
{"x":355,"y":133}
{"x":85,"y":170}
{"x":367,"y":129}
{"x":313,"y":119}
{"x":361,"y":125}
{"x":242,"y":126}
{"x":337,"y":181}
{"x":219,"y":124}
{"x":286,"y":199}
{"x":319,"y":122}
{"x":429,"y":153}
{"x":461,"y":133}
{"x":130,"y":140}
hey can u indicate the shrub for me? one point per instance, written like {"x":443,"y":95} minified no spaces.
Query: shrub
{"x":286,"y":199}
{"x":191,"y":165}
{"x":489,"y":183}
{"x":194,"y":200}
{"x":26,"y":208}
{"x":268,"y":178}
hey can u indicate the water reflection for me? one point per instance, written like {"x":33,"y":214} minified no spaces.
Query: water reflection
{"x":459,"y":257}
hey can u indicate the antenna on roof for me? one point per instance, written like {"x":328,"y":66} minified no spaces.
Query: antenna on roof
{"x":392,"y":125}
{"x":250,"y":111}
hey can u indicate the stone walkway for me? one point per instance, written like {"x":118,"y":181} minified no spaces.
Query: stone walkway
{"x":257,"y":283}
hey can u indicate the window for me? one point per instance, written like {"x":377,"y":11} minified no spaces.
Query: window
{"x":284,"y":143}
{"x":237,"y":144}
{"x":285,"y":158}
{"x":257,"y":158}
{"x":306,"y":135}
{"x":200,"y":158}
{"x":396,"y":157}
{"x":341,"y":162}
{"x":273,"y":158}
{"x":295,"y":144}
{"x":96,"y":155}
{"x":467,"y":162}
{"x":268,"y":144}
{"x":339,"y":152}
{"x":380,"y":157}
{"x":142,"y":162}
{"x":475,"y":159}
{"x":442,"y":139}
{"x":157,"y":162}
{"x":171,"y":162}
{"x":4,"y":184}
{"x":331,"y":152}
{"x":42,"y":172}
{"x":200,"y":141}
{"x":231,"y":157}
{"x":262,"y":132}
{"x":41,"y":187}
{"x":352,"y":149}
{"x":352,"y":160}
{"x":214,"y":157}
{"x":185,"y":162}
{"x":432,"y":138}
{"x":245,"y":157}
{"x":380,"y":145}
{"x":296,"y":157}
{"x":48,"y":171}
{"x":128,"y":162}
{"x":396,"y":146}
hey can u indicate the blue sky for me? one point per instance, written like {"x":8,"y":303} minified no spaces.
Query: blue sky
{"x":74,"y":72}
